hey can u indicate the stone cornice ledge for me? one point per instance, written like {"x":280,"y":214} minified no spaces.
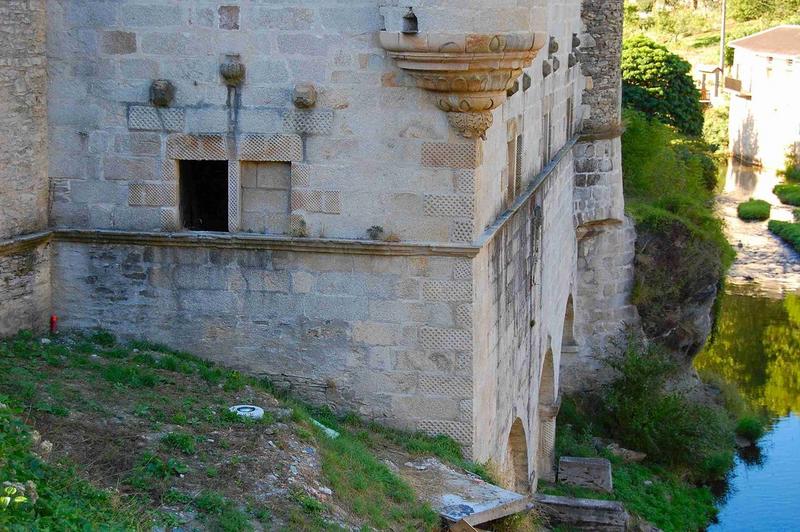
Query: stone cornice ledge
{"x":249,"y":241}
{"x":469,"y":72}
{"x":22,"y":243}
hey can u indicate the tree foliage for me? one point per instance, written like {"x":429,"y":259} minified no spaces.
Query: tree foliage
{"x":658,"y":83}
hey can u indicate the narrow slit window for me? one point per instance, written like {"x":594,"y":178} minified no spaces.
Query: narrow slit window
{"x":511,"y":172}
{"x":518,"y":167}
{"x":204,"y":195}
{"x":546,"y":139}
{"x":570,"y":118}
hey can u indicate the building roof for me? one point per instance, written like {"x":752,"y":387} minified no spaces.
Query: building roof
{"x":780,"y":40}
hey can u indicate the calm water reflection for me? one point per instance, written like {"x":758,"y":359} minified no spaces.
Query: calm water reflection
{"x":761,"y":257}
{"x":757,"y":349}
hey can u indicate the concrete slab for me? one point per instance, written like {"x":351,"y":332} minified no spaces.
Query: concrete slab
{"x":460,"y":496}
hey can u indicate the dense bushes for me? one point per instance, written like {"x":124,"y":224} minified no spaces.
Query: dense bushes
{"x":715,"y":129}
{"x":753,"y":209}
{"x":790,"y":232}
{"x":759,"y":9}
{"x":681,"y":249}
{"x":657,"y":82}
{"x":638,"y":412}
{"x":789,"y":194}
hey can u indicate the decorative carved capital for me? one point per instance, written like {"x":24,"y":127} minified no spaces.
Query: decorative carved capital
{"x":470,"y":125}
{"x":471,"y":73}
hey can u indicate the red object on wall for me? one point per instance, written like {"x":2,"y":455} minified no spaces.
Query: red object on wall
{"x":53,"y":324}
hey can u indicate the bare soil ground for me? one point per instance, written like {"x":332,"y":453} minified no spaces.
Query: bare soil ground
{"x":153,"y":426}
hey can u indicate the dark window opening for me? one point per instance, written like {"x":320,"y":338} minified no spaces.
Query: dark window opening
{"x":204,"y":195}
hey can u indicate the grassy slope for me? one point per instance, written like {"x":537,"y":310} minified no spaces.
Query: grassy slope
{"x":141,"y":435}
{"x":652,"y":492}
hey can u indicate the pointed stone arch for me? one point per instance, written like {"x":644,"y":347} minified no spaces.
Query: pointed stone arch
{"x":547,"y":409}
{"x":568,"y":334}
{"x":517,"y":477}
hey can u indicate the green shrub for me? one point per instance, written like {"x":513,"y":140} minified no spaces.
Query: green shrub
{"x":788,"y":194}
{"x":658,"y":83}
{"x":639,"y":413}
{"x":681,"y":248}
{"x":750,"y":428}
{"x":715,"y":128}
{"x":753,"y":209}
{"x":791,"y":170}
{"x":790,"y":232}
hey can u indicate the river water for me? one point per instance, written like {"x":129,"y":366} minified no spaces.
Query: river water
{"x":756,"y":348}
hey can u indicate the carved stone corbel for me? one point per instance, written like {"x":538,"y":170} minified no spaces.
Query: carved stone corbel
{"x":470,"y":73}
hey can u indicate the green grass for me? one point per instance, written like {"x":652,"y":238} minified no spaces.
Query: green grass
{"x":154,"y":385}
{"x":182,"y":442}
{"x":750,"y":428}
{"x":788,"y":194}
{"x":65,"y":500}
{"x":653,"y":492}
{"x":753,"y":209}
{"x":787,"y":231}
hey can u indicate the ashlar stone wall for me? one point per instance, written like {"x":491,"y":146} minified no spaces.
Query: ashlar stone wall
{"x":386,"y":336}
{"x":523,"y":278}
{"x":23,"y":118}
{"x":374,"y":150}
{"x":24,"y":259}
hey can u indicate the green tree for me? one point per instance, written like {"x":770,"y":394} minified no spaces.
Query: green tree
{"x":657,"y":82}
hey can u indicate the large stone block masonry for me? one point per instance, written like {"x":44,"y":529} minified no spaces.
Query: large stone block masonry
{"x":452,"y":319}
{"x":592,"y":473}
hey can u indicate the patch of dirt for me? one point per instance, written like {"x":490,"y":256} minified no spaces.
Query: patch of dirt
{"x":111,"y":429}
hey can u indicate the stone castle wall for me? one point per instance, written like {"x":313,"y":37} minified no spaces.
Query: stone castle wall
{"x":605,"y":236}
{"x":24,"y":262}
{"x":373,"y":151}
{"x":458,"y":328}
{"x":386,"y":336}
{"x":523,"y":278}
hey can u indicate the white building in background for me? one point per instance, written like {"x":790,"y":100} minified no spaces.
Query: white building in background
{"x":765,"y":109}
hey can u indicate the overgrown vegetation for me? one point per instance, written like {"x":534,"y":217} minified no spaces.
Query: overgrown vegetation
{"x":652,"y":492}
{"x":787,"y":231}
{"x":178,"y":439}
{"x":674,"y":431}
{"x":669,"y":183}
{"x":687,"y":443}
{"x":658,"y":83}
{"x":753,"y":209}
{"x":788,"y":193}
{"x":55,"y":497}
{"x":715,"y":130}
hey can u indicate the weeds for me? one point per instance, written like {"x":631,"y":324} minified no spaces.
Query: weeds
{"x":639,"y":413}
{"x":180,"y":441}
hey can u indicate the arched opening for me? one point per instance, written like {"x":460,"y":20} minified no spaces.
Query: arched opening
{"x":517,"y":459}
{"x":568,"y":336}
{"x":548,"y":408}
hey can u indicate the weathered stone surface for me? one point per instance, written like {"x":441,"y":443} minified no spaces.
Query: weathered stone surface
{"x":118,"y":42}
{"x":584,"y":514}
{"x":593,"y":473}
{"x":304,"y":96}
{"x":455,"y":324}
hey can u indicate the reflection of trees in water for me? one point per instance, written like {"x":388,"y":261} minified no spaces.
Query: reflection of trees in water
{"x":757,"y":348}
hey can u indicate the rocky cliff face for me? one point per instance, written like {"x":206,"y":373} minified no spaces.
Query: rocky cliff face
{"x":677,"y":279}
